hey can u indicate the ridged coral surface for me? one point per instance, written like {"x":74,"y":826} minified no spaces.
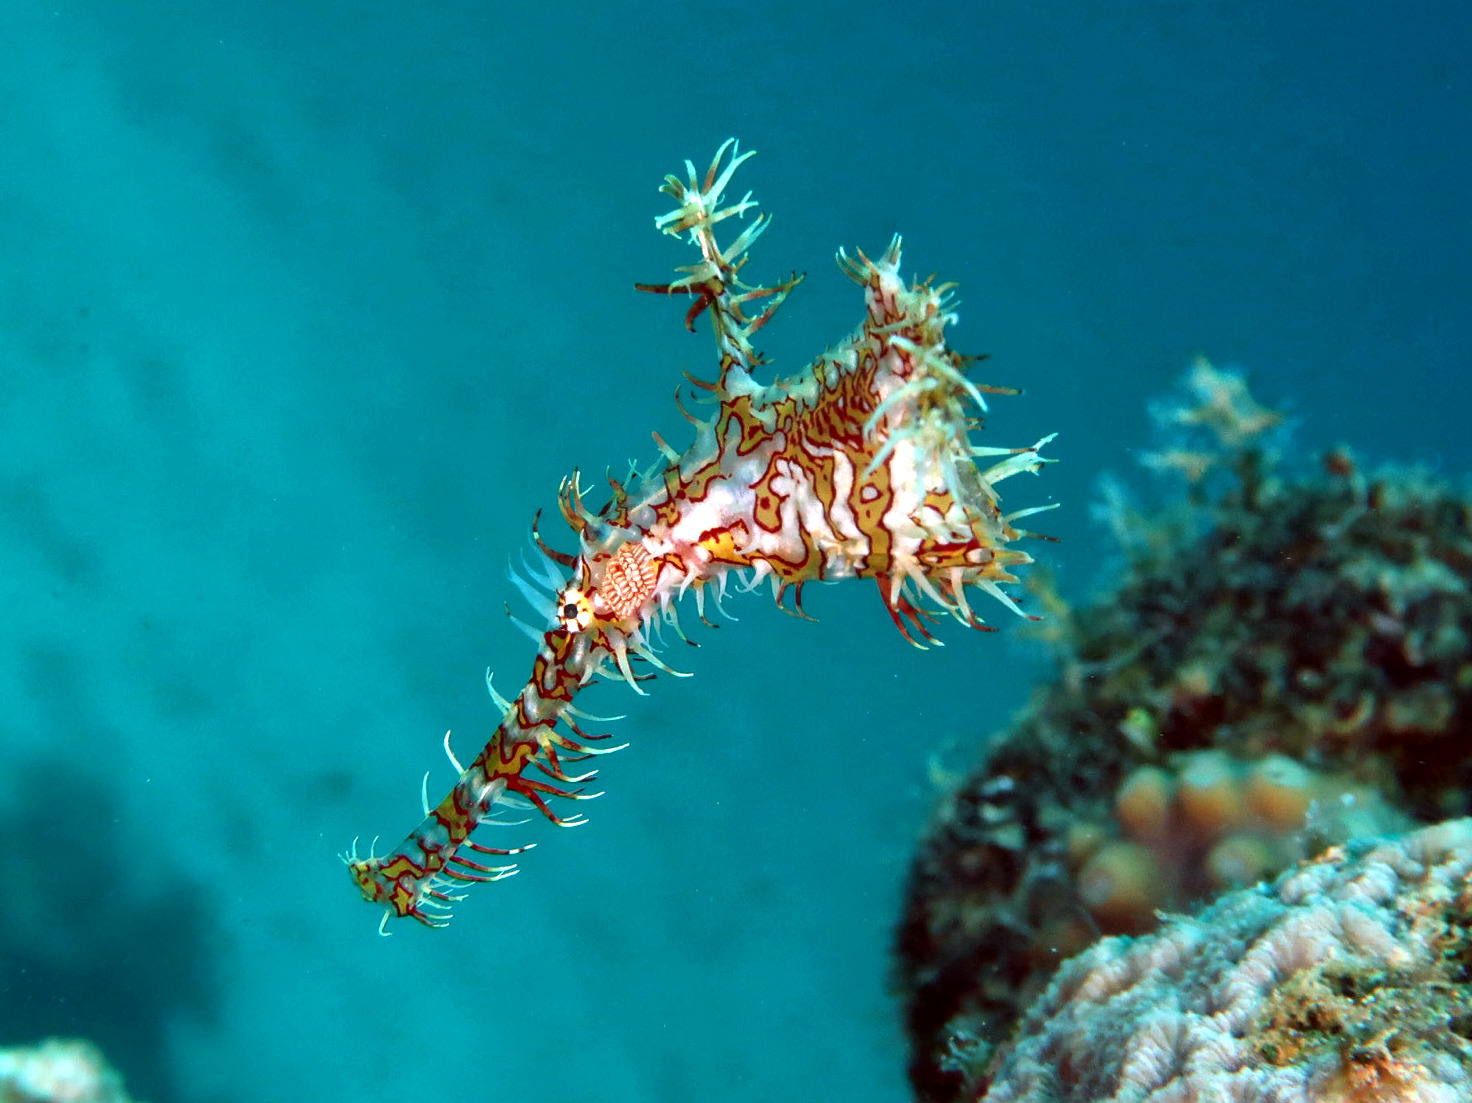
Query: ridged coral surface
{"x":1345,"y":981}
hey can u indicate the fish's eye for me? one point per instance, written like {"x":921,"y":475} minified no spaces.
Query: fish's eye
{"x":573,"y":609}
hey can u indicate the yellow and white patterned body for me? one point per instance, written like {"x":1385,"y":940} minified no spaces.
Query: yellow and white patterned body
{"x":859,"y":467}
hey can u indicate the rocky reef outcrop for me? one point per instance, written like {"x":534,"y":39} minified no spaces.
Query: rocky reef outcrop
{"x":1283,"y":664}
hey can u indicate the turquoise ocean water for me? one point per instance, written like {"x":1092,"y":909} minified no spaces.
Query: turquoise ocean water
{"x":306,"y":308}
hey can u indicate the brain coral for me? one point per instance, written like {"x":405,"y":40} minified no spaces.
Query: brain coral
{"x":1283,"y":664}
{"x":1349,"y":980}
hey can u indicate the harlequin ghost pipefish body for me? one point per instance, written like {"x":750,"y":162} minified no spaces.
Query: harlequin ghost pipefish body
{"x":861,"y":466}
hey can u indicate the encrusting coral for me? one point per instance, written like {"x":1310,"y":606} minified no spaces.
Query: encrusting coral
{"x":1284,"y":665}
{"x":59,"y":1071}
{"x":1349,"y":980}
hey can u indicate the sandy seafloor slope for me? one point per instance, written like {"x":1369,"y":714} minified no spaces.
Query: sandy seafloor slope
{"x":305,"y":309}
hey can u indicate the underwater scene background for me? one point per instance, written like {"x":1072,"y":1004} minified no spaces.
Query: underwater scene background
{"x":305,"y":309}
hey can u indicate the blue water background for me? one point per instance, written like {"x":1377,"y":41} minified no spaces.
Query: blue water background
{"x":306,"y":308}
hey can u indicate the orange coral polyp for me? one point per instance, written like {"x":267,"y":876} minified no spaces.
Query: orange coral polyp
{"x":1209,"y":793}
{"x":1241,"y":859}
{"x":1143,"y":802}
{"x":1280,"y":792}
{"x":1122,"y":885}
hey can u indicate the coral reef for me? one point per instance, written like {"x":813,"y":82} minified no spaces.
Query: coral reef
{"x":1349,"y":980}
{"x":59,"y":1071}
{"x":1284,"y":665}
